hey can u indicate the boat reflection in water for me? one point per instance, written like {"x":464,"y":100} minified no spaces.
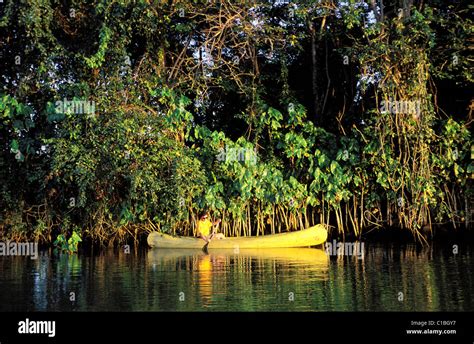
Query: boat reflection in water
{"x":248,"y":276}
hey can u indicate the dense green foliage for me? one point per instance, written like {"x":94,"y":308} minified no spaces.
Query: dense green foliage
{"x":274,"y":116}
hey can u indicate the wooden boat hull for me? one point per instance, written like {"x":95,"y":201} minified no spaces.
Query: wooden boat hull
{"x":312,"y":236}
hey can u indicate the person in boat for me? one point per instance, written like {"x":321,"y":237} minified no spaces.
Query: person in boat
{"x":207,"y":230}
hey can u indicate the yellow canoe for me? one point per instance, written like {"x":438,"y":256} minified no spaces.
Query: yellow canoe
{"x":312,"y":236}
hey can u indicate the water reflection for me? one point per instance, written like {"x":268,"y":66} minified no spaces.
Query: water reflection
{"x":204,"y":268}
{"x":250,"y":280}
{"x":224,"y":278}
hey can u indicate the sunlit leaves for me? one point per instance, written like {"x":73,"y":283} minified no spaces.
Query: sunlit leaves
{"x":96,"y":60}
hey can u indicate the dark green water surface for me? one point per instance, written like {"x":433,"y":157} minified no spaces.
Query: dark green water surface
{"x":387,"y":278}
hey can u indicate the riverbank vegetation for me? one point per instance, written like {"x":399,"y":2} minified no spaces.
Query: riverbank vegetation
{"x":117,"y":118}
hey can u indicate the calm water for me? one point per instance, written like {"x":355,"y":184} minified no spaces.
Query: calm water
{"x":388,"y":278}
